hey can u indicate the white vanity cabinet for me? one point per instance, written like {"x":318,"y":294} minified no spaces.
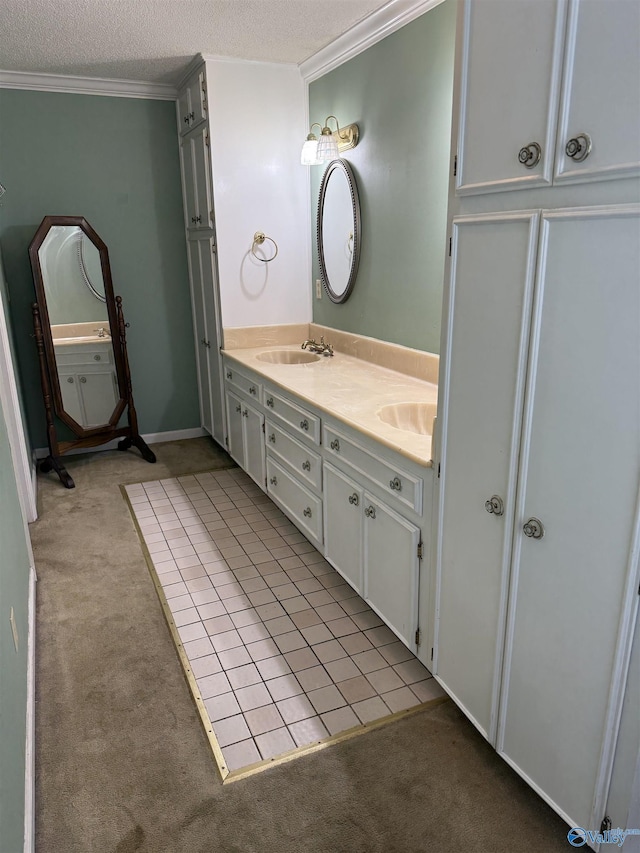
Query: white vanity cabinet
{"x":88,"y":382}
{"x":192,"y":102}
{"x":549,"y":93}
{"x":373,"y":513}
{"x":539,"y":519}
{"x":245,"y":437}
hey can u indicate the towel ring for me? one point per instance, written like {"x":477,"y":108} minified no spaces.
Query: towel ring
{"x":258,"y":239}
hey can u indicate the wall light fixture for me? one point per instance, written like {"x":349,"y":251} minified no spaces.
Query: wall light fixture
{"x":330,"y":144}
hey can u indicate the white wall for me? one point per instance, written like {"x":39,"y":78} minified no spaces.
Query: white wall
{"x":257,"y":114}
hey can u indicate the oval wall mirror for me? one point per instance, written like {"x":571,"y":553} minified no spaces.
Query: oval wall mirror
{"x":338,"y":230}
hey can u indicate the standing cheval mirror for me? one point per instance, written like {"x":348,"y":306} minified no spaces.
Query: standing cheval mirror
{"x":80,"y":334}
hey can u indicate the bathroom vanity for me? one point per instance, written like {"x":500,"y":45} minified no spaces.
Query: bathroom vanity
{"x":333,"y":441}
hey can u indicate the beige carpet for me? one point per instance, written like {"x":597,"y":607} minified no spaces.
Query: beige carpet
{"x":122,"y":761}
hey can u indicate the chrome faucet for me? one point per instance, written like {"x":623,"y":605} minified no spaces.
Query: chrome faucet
{"x":321,"y":348}
{"x":102,"y":332}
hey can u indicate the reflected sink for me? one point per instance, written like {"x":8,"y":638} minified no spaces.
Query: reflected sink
{"x":286,"y":356}
{"x":410,"y":417}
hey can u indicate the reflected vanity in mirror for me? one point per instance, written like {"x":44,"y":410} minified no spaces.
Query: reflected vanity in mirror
{"x":80,"y":334}
{"x":338,"y":230}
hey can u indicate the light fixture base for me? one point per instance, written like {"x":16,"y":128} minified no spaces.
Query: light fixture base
{"x":347,"y":137}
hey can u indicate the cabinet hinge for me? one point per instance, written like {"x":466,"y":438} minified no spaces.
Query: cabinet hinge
{"x":263,"y":426}
{"x":431,"y":652}
{"x":606,"y":824}
{"x":206,"y":139}
{"x":420,"y":550}
{"x":417,"y":636}
{"x":226,"y":441}
{"x":449,"y":246}
{"x":455,"y":165}
{"x":438,"y":470}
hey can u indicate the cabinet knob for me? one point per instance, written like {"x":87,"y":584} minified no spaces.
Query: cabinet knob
{"x":97,"y":357}
{"x":579,"y":147}
{"x":304,"y":424}
{"x":307,"y":512}
{"x":83,"y":379}
{"x":205,"y":343}
{"x":530,"y":155}
{"x":252,"y":390}
{"x":238,"y":408}
{"x":245,"y":413}
{"x":270,"y":402}
{"x":306,"y":466}
{"x":274,"y":481}
{"x":70,"y":380}
{"x":494,"y":505}
{"x":272,"y":438}
{"x":533,"y":528}
{"x":229,"y":374}
{"x":354,"y":499}
{"x":191,"y":116}
{"x":186,"y":119}
{"x":370,"y":511}
{"x":395,"y":484}
{"x":335,"y":445}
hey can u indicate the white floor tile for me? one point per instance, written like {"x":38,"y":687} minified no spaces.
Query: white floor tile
{"x":308,"y":731}
{"x":241,"y":754}
{"x":339,"y":720}
{"x":275,"y":743}
{"x":231,"y":730}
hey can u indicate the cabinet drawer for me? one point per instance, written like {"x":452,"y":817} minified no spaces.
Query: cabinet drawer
{"x":81,"y":354}
{"x":404,"y":488}
{"x":300,"y":420}
{"x":306,"y":464}
{"x":241,"y":382}
{"x":304,"y":508}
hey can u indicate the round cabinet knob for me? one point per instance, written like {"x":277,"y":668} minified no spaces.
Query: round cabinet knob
{"x":533,"y":528}
{"x":272,"y":438}
{"x":529,"y":155}
{"x":83,"y":379}
{"x":252,"y":390}
{"x":270,"y":402}
{"x":97,"y":357}
{"x":353,"y":499}
{"x":306,"y":466}
{"x":245,"y":413}
{"x":494,"y":505}
{"x":395,"y":484}
{"x":307,"y":512}
{"x":370,"y":512}
{"x":579,"y":147}
{"x":229,"y":374}
{"x":304,"y":424}
{"x":274,"y":481}
{"x":238,"y":408}
{"x":70,"y":380}
{"x":335,"y":445}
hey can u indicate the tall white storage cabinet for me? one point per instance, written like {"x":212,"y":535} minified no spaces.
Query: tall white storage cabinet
{"x":539,"y":511}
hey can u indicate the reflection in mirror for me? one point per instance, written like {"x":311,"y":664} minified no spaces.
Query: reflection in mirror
{"x":81,"y":339}
{"x":74,"y":287}
{"x":338,"y":230}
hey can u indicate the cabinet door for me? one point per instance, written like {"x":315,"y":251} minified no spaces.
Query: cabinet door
{"x":343,"y":525}
{"x":235,"y":432}
{"x":200,"y":329}
{"x":184,"y":111}
{"x":202,"y":180}
{"x":99,"y":396}
{"x":391,"y":568}
{"x":254,"y":453}
{"x":492,"y":275}
{"x":573,"y":592}
{"x":510,"y":73}
{"x":188,"y":183}
{"x":198,"y":99}
{"x":601,"y":92}
{"x":70,"y":390}
{"x":212,"y":335}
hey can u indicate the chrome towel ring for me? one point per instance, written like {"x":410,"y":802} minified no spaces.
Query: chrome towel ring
{"x":258,"y":239}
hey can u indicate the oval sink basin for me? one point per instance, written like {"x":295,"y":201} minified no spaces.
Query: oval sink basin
{"x":287,"y":356}
{"x":410,"y":417}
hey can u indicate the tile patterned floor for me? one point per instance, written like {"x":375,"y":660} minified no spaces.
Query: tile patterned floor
{"x":284,"y":652}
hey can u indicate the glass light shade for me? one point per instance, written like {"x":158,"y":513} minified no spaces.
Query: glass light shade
{"x":309,"y":156}
{"x":327,"y":148}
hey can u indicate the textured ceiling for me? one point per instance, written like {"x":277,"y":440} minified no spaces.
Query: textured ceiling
{"x":154,"y":40}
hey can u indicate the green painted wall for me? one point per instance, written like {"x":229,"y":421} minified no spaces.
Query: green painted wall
{"x":114,"y":161}
{"x":400,"y":93}
{"x":14,"y":592}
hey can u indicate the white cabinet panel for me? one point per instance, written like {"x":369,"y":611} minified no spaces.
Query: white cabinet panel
{"x":196,"y":172}
{"x":201,"y":335}
{"x":392,"y":568}
{"x":579,"y":475}
{"x":235,"y":435}
{"x":511,"y":66}
{"x":254,"y":453}
{"x":212,"y":335}
{"x":492,"y":274}
{"x":343,"y":525}
{"x":601,"y":92}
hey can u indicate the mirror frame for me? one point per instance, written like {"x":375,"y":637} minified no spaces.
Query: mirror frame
{"x":41,"y":296}
{"x":345,"y":168}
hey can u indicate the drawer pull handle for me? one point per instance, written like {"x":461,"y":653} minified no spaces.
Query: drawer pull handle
{"x":354,"y":499}
{"x":335,"y":445}
{"x":306,"y":466}
{"x":304,"y":424}
{"x":272,"y":437}
{"x":270,"y":402}
{"x":274,"y":481}
{"x":229,"y":374}
{"x":395,"y":484}
{"x":307,"y":512}
{"x":370,"y":512}
{"x":252,"y":390}
{"x":238,"y":408}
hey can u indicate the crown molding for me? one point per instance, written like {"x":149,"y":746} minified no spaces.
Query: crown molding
{"x":372,"y":29}
{"x":86,"y":85}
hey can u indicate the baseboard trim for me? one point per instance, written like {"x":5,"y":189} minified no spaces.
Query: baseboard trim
{"x":30,"y":751}
{"x":150,"y":438}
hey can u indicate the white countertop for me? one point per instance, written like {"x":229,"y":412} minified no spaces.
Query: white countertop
{"x":351,"y":390}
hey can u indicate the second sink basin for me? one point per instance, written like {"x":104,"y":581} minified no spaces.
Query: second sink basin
{"x":410,"y":417}
{"x":286,"y":356}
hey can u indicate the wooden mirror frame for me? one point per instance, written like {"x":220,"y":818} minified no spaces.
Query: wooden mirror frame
{"x":52,"y":393}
